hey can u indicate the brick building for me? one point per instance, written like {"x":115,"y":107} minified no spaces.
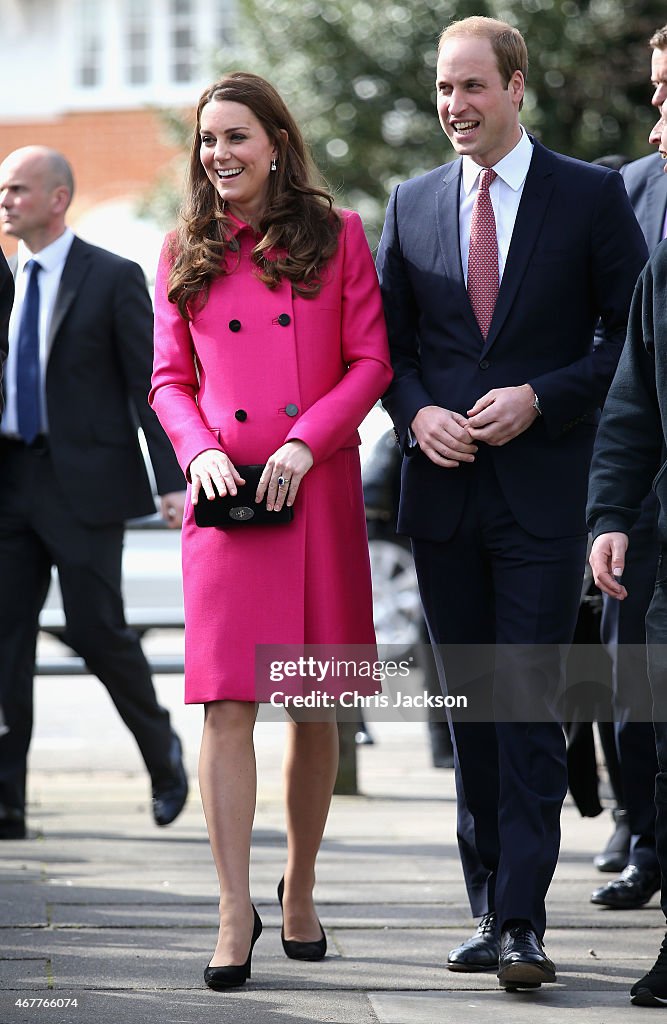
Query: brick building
{"x":91,"y":78}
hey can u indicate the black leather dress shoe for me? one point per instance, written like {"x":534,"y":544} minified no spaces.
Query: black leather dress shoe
{"x":523,"y":962}
{"x":170,"y":794}
{"x":480,"y":951}
{"x":633,"y":889}
{"x":651,"y":990}
{"x":615,"y":855}
{"x":12,"y":823}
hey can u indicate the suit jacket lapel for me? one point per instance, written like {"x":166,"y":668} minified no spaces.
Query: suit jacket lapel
{"x":76,"y":266}
{"x":447,"y":220}
{"x":532,"y":209}
{"x":656,"y":201}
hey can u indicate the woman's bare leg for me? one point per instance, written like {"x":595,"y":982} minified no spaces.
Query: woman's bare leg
{"x":310,"y":766}
{"x":228,"y":784}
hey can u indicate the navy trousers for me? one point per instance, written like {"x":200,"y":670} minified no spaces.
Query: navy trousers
{"x":501,"y":607}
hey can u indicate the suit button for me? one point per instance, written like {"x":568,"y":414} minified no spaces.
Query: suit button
{"x":284,"y":319}
{"x":235,"y":325}
{"x":485,"y":364}
{"x":241,"y":415}
{"x":291,"y":409}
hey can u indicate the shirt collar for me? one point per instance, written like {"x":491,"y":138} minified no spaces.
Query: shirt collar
{"x":51,"y":256}
{"x":513,"y":168}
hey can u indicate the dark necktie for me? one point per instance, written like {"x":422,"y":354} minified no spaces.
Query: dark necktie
{"x":28,"y":384}
{"x":483,"y":274}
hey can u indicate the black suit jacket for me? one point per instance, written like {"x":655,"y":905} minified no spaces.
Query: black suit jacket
{"x":6,"y":302}
{"x":97,"y":383}
{"x":575,"y":255}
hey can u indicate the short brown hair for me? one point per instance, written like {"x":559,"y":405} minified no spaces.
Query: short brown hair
{"x":658,"y":40}
{"x":507,"y":42}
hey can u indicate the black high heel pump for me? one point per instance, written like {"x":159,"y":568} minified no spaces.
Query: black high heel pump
{"x":296,"y":950}
{"x":233,"y":975}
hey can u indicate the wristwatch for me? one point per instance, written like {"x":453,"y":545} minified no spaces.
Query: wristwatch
{"x":536,"y":404}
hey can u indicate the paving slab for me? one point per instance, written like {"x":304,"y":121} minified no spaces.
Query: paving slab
{"x":202,"y":1007}
{"x":550,"y":1005}
{"x":101,"y":906}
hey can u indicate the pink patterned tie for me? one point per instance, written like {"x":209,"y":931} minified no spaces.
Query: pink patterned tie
{"x":483,"y":255}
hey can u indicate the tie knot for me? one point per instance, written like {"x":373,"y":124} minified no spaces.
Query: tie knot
{"x":33,"y":267}
{"x":488,"y":176}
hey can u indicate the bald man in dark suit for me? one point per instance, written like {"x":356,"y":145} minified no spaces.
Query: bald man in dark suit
{"x":76,"y":388}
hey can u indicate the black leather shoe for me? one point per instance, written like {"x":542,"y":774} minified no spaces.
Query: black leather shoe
{"x":234,"y":975}
{"x":294,"y":948}
{"x":523,"y":962}
{"x":170,"y":794}
{"x":633,"y":889}
{"x":614,"y":857}
{"x":651,"y":990}
{"x":480,"y":951}
{"x":12,"y":823}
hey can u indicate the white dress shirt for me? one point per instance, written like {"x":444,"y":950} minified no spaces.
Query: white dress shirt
{"x":52,"y":260}
{"x":505,"y":191}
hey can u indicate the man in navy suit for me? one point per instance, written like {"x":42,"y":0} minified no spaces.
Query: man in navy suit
{"x":623,"y":628}
{"x":496,"y":412}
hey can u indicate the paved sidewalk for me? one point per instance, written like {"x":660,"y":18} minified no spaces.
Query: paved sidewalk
{"x":101,"y":907}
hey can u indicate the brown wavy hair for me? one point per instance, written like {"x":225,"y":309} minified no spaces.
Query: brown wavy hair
{"x":299,"y":225}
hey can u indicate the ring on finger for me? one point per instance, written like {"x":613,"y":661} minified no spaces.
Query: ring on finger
{"x":281,"y":481}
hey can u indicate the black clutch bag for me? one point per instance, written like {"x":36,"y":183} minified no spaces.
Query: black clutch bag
{"x":240,"y":509}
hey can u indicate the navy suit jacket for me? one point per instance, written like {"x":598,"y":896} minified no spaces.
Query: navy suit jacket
{"x":646,"y":185}
{"x":575,"y":255}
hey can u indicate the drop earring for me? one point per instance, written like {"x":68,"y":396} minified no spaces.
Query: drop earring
{"x":274,"y":165}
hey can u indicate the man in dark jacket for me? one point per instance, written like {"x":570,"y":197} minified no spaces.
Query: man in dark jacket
{"x":629,"y":458}
{"x":77,"y":381}
{"x":623,"y":625}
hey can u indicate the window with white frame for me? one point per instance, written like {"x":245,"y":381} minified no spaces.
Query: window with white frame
{"x":89,"y":43}
{"x":223,"y":13}
{"x":137,"y":48}
{"x":181,"y":40}
{"x":129,"y":52}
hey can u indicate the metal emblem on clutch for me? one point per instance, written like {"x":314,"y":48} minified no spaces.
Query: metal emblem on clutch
{"x":240,"y":513}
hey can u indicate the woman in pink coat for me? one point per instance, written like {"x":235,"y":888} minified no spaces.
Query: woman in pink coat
{"x":270,"y":348}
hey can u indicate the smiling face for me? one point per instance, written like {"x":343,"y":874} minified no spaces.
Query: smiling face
{"x":236,"y":154}
{"x":478,"y":112}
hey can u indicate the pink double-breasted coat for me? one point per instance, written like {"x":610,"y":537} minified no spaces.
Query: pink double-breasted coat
{"x":252,"y":369}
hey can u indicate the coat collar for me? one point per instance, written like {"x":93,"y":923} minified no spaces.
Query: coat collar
{"x":656,"y":200}
{"x":447,"y":221}
{"x":75,"y":269}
